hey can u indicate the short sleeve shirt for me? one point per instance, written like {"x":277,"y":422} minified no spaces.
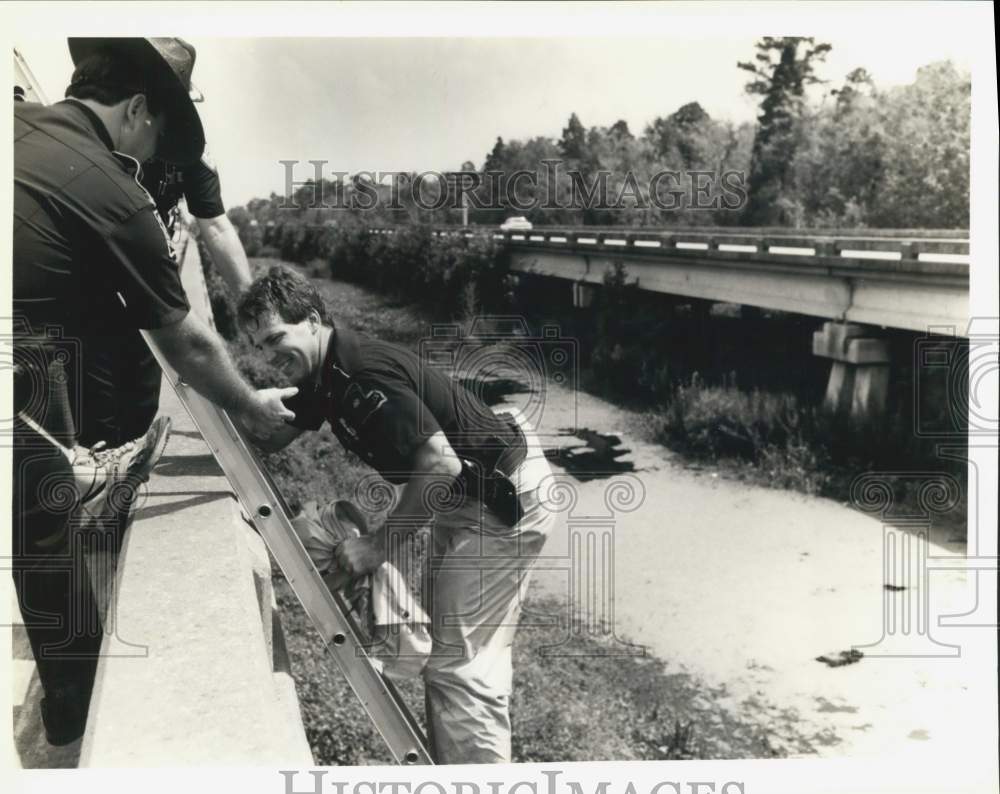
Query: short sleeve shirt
{"x":383,"y":402}
{"x":90,"y":253}
{"x":197,"y":183}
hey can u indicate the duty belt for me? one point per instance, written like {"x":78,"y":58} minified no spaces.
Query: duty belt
{"x":487,"y":476}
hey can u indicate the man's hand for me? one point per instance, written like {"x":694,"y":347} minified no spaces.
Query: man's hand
{"x":359,"y":556}
{"x":267,"y":413}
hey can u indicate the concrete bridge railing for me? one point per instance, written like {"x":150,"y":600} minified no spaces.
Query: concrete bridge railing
{"x":904,"y":245}
{"x":904,"y":278}
{"x":193,"y":667}
{"x":859,"y":282}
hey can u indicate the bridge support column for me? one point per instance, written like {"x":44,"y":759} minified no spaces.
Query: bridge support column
{"x":859,"y":375}
{"x":583,"y":294}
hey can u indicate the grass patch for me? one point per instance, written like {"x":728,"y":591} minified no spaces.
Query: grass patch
{"x":581,"y":703}
{"x":582,"y":699}
{"x":770,"y":438}
{"x":337,"y":728}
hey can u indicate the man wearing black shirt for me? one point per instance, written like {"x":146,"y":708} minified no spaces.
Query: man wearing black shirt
{"x":475,"y":476}
{"x":198,"y":184}
{"x":92,"y":259}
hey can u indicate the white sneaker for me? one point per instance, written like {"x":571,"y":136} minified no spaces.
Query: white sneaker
{"x":117,"y":473}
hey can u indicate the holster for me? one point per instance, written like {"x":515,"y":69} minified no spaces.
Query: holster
{"x":487,"y":475}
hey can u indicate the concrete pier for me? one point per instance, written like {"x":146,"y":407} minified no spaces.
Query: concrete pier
{"x":859,"y":373}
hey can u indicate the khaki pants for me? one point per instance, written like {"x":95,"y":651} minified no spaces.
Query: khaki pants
{"x":475,"y":580}
{"x":478,"y":578}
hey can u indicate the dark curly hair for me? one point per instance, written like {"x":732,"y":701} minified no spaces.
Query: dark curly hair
{"x":108,"y":77}
{"x":286,"y":293}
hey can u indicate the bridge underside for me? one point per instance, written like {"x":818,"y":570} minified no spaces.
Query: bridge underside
{"x":913,"y":295}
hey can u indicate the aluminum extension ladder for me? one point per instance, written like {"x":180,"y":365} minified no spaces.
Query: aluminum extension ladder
{"x":268,"y":511}
{"x":328,"y":611}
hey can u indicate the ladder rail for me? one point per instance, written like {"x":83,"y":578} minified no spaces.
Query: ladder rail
{"x":23,"y":73}
{"x":263,"y":502}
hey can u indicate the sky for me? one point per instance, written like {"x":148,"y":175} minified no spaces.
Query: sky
{"x":431,"y":103}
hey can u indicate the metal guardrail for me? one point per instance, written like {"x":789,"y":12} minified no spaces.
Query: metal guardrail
{"x":900,"y":278}
{"x":913,"y":248}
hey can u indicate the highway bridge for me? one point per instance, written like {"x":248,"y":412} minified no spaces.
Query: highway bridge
{"x":859,"y":282}
{"x":907,"y":279}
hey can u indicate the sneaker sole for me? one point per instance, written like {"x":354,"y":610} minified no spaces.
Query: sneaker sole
{"x":153,"y":448}
{"x":120,"y":497}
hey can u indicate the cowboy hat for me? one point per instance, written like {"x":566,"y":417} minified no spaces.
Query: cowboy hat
{"x":169,"y":62}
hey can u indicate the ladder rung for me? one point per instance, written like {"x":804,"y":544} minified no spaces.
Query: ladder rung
{"x":261,"y":499}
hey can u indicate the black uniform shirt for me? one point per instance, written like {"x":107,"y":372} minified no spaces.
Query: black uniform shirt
{"x":383,"y":402}
{"x":85,"y":231}
{"x":197,"y":183}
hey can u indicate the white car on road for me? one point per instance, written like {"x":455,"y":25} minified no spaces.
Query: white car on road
{"x":516,"y":224}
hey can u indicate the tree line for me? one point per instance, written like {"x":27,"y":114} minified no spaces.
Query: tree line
{"x":818,"y":155}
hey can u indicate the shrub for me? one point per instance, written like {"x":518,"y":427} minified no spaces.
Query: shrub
{"x":452,"y":277}
{"x":787,"y":443}
{"x":723,"y":421}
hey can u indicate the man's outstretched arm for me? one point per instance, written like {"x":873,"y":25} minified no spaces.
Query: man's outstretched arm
{"x":202,"y":361}
{"x":227,"y":252}
{"x":143,"y":269}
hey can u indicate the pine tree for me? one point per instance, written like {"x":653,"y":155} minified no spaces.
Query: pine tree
{"x":784,"y":67}
{"x":573,"y":144}
{"x":495,"y":159}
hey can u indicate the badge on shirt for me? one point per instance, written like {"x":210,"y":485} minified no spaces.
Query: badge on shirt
{"x":166,"y":235}
{"x":359,"y":406}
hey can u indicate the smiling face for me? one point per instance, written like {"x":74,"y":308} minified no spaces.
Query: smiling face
{"x":292,"y":348}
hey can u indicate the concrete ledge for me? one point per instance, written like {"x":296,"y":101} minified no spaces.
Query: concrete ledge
{"x":193,"y":669}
